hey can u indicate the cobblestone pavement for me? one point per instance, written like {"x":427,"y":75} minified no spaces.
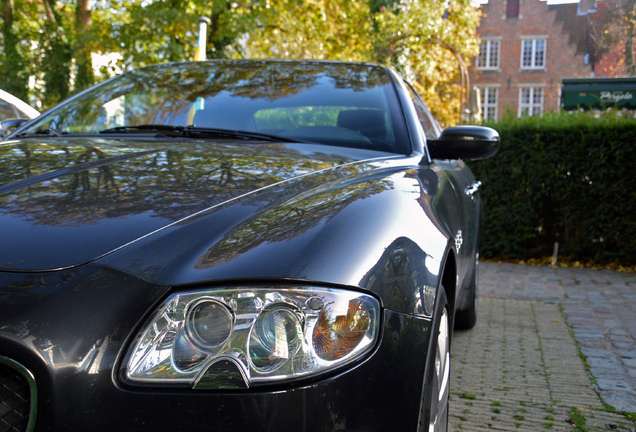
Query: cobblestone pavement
{"x":553,"y":349}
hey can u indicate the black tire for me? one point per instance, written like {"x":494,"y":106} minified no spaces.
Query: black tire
{"x":467,"y":318}
{"x":434,"y":407}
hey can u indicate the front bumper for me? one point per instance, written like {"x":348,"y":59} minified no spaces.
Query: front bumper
{"x":74,"y":357}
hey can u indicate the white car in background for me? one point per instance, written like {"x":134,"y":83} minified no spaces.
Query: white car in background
{"x":12,"y":108}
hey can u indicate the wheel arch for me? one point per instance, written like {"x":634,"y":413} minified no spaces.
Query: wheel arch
{"x":448,"y":280}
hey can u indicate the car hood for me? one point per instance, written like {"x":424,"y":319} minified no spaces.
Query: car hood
{"x":67,"y":202}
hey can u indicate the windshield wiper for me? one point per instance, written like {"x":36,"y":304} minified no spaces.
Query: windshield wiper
{"x":143,"y":128}
{"x":203,"y":132}
{"x":50,"y":132}
{"x":198,"y":132}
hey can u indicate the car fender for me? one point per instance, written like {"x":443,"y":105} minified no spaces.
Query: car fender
{"x":377,"y":231}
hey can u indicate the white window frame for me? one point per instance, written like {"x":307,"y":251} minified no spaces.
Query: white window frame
{"x":489,"y":44}
{"x":534,"y":44}
{"x":486,"y":105}
{"x":536,"y":98}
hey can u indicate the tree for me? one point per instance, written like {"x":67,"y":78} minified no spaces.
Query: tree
{"x":428,"y":41}
{"x":162,"y":30}
{"x":613,"y":29}
{"x":58,"y":53}
{"x":425,"y":40}
{"x":312,"y":29}
{"x":82,"y":51}
{"x":14,"y":76}
{"x":49,"y":41}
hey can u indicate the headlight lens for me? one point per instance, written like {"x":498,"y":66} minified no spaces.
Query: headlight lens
{"x":209,"y":322}
{"x":241,"y":337}
{"x":276,"y":337}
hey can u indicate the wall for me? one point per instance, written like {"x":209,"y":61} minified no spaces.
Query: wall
{"x":535,"y":18}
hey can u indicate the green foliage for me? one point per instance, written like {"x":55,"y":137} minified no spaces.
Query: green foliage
{"x":41,"y":40}
{"x":14,"y":60}
{"x":313,"y":29}
{"x":428,"y":41}
{"x":148,"y":32}
{"x":563,"y":178}
{"x":13,"y":79}
{"x":57,"y":54}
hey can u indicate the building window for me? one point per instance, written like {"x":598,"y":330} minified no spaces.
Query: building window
{"x":512,"y":9}
{"x":530,"y":101}
{"x":533,"y":53}
{"x":488,"y":54}
{"x":489,"y":96}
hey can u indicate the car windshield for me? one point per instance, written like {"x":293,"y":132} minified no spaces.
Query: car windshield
{"x":345,"y":104}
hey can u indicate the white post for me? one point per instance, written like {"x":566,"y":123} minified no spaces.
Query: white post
{"x":202,"y":41}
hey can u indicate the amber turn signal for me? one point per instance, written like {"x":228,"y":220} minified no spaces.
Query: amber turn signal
{"x":333,"y":339}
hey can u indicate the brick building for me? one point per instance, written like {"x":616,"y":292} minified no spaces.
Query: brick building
{"x":527,"y":48}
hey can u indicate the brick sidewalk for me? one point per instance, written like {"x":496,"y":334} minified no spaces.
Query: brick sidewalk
{"x":520,"y":368}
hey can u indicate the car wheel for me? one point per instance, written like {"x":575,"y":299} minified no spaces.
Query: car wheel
{"x":434,"y":409}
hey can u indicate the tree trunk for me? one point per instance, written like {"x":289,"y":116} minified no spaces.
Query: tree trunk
{"x":85,"y":76}
{"x":14,"y":77}
{"x":58,"y":57}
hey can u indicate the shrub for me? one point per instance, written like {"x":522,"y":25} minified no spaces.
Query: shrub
{"x":561,"y":177}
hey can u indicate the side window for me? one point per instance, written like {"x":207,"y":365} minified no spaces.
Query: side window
{"x":431,"y":128}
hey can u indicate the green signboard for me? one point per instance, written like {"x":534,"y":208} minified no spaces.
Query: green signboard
{"x":598,"y":93}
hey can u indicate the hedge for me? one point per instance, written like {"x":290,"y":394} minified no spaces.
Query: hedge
{"x":562,"y":177}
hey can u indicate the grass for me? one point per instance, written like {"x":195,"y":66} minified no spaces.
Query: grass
{"x":577,"y":420}
{"x":629,"y":415}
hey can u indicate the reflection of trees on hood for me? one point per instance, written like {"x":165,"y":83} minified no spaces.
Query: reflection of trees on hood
{"x":402,"y":268}
{"x":70,"y":184}
{"x":290,"y":218}
{"x":31,"y":288}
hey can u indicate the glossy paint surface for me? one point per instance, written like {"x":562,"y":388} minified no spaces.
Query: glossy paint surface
{"x":108,"y":194}
{"x":98,"y":231}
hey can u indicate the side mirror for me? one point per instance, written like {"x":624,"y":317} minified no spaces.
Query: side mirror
{"x":465,"y":142}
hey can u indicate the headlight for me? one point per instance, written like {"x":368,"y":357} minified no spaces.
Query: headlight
{"x":241,"y":337}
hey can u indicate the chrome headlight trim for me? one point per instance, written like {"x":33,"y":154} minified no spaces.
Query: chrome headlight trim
{"x":232,"y":338}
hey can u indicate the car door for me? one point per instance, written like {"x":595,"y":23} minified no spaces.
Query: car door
{"x":461,"y":207}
